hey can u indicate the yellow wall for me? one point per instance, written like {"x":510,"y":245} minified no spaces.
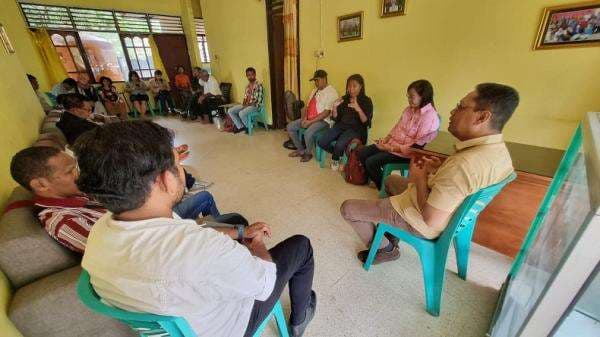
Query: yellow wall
{"x":455,"y":45}
{"x":237,"y":37}
{"x":20,"y":111}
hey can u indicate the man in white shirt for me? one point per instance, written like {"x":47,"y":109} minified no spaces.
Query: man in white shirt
{"x":318,"y":108}
{"x":142,"y":257}
{"x":211,"y":97}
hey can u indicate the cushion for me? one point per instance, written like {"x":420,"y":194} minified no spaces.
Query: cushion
{"x":50,"y":307}
{"x":27,"y":252}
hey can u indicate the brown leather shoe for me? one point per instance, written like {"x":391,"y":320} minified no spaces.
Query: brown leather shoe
{"x":296,"y":153}
{"x":306,"y":157}
{"x":381,"y":256}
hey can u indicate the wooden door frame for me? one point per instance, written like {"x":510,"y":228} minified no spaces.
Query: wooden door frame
{"x":269,"y":38}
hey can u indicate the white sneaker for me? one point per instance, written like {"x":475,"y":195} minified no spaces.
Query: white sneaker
{"x":335,"y":165}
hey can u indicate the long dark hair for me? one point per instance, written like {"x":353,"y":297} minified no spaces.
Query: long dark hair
{"x":423,"y":89}
{"x":133,"y":72}
{"x":360,"y":80}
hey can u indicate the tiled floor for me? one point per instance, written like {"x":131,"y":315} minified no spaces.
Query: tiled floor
{"x":255,"y":177}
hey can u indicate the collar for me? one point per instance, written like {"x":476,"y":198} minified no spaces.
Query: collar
{"x":73,"y":202}
{"x":485,"y":140}
{"x":427,"y":108}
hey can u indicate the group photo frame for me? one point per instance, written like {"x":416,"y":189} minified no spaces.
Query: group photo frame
{"x":571,"y":25}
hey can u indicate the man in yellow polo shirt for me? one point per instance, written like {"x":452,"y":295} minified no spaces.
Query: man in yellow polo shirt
{"x":435,"y":190}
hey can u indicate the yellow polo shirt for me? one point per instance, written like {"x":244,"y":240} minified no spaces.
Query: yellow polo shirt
{"x":477,"y":163}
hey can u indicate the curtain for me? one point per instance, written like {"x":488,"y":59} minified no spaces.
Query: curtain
{"x":54,"y":67}
{"x":158,"y":64}
{"x":290,"y":52}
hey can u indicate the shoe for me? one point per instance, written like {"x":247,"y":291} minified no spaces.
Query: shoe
{"x":289,"y":144}
{"x":296,"y":153}
{"x":200,"y":185}
{"x":335,"y":165}
{"x":239,"y":130}
{"x":394,"y":240}
{"x":306,"y":157}
{"x":381,"y":256}
{"x":298,"y":330}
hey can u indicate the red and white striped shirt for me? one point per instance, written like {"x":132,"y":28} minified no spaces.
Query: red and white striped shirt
{"x":69,"y":220}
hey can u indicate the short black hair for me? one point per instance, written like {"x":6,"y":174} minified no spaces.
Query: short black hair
{"x":131,"y":73}
{"x":157,"y":72}
{"x":251,"y":70}
{"x":105,"y":78}
{"x":425,"y":90}
{"x":500,"y":99}
{"x":32,"y":163}
{"x":70,"y":101}
{"x":71,"y":82}
{"x":119,"y":162}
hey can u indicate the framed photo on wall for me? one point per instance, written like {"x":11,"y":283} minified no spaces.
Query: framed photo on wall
{"x":350,"y":27}
{"x":392,"y":8}
{"x":574,"y":25}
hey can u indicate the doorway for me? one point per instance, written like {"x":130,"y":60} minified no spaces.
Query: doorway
{"x":173,"y":53}
{"x":275,"y":32}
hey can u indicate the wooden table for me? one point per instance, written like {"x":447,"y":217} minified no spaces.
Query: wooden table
{"x":503,"y":224}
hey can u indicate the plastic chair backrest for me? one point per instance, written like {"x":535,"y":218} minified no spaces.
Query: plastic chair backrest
{"x":226,"y":91}
{"x":465,"y":217}
{"x":144,"y":324}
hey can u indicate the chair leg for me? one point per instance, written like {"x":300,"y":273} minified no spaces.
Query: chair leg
{"x":462,"y":246}
{"x":321,"y":156}
{"x":374,"y":246}
{"x":433,"y":279}
{"x":279,"y":316}
{"x":280,"y":319}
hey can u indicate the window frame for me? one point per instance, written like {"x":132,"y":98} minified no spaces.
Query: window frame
{"x":79,"y":45}
{"x":139,"y":69}
{"x":202,"y":40}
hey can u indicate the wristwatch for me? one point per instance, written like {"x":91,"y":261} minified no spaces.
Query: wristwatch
{"x":240,"y":231}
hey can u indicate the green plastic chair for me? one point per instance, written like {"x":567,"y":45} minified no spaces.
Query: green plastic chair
{"x":321,"y":155}
{"x":387,"y":170}
{"x":434,"y":253}
{"x":148,"y":325}
{"x":259,"y":115}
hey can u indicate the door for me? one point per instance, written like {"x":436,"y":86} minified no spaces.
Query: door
{"x":173,"y":52}
{"x":276,"y":44}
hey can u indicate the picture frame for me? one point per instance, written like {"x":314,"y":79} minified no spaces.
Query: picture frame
{"x":572,"y":25}
{"x":6,"y":40}
{"x":350,"y":27}
{"x":390,"y":8}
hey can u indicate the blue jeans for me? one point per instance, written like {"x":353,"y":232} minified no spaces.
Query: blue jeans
{"x":239,"y":114}
{"x":201,"y":203}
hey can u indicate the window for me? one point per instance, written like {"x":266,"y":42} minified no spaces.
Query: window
{"x":67,"y":48}
{"x":202,"y":41}
{"x":104,"y":42}
{"x":105,"y":55}
{"x":140,"y":55}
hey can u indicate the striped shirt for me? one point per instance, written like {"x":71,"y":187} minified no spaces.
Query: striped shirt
{"x":69,"y":220}
{"x":254,"y":94}
{"x":415,"y":127}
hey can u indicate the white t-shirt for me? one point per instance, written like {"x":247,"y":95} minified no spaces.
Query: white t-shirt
{"x":325,"y":98}
{"x":212,"y":86}
{"x":175,"y":267}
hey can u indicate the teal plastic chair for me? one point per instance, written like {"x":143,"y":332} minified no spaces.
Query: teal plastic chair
{"x":387,"y":170}
{"x":434,"y":253}
{"x":321,"y":155}
{"x":259,"y":115}
{"x":148,"y":325}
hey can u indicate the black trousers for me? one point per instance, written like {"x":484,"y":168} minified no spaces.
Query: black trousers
{"x":296,"y":266}
{"x":373,"y":160}
{"x":342,"y":136}
{"x":208,"y":105}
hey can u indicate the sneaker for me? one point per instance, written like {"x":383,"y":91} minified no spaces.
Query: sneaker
{"x":381,"y":256}
{"x":298,"y":330}
{"x":335,"y":165}
{"x":289,"y":144}
{"x":239,"y":130}
{"x":200,"y":185}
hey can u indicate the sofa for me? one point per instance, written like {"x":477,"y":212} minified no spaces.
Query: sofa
{"x":38,"y":276}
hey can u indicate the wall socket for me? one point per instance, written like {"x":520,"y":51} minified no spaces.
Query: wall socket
{"x":319,"y":53}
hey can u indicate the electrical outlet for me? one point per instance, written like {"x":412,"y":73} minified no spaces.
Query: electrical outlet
{"x":319,"y":54}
